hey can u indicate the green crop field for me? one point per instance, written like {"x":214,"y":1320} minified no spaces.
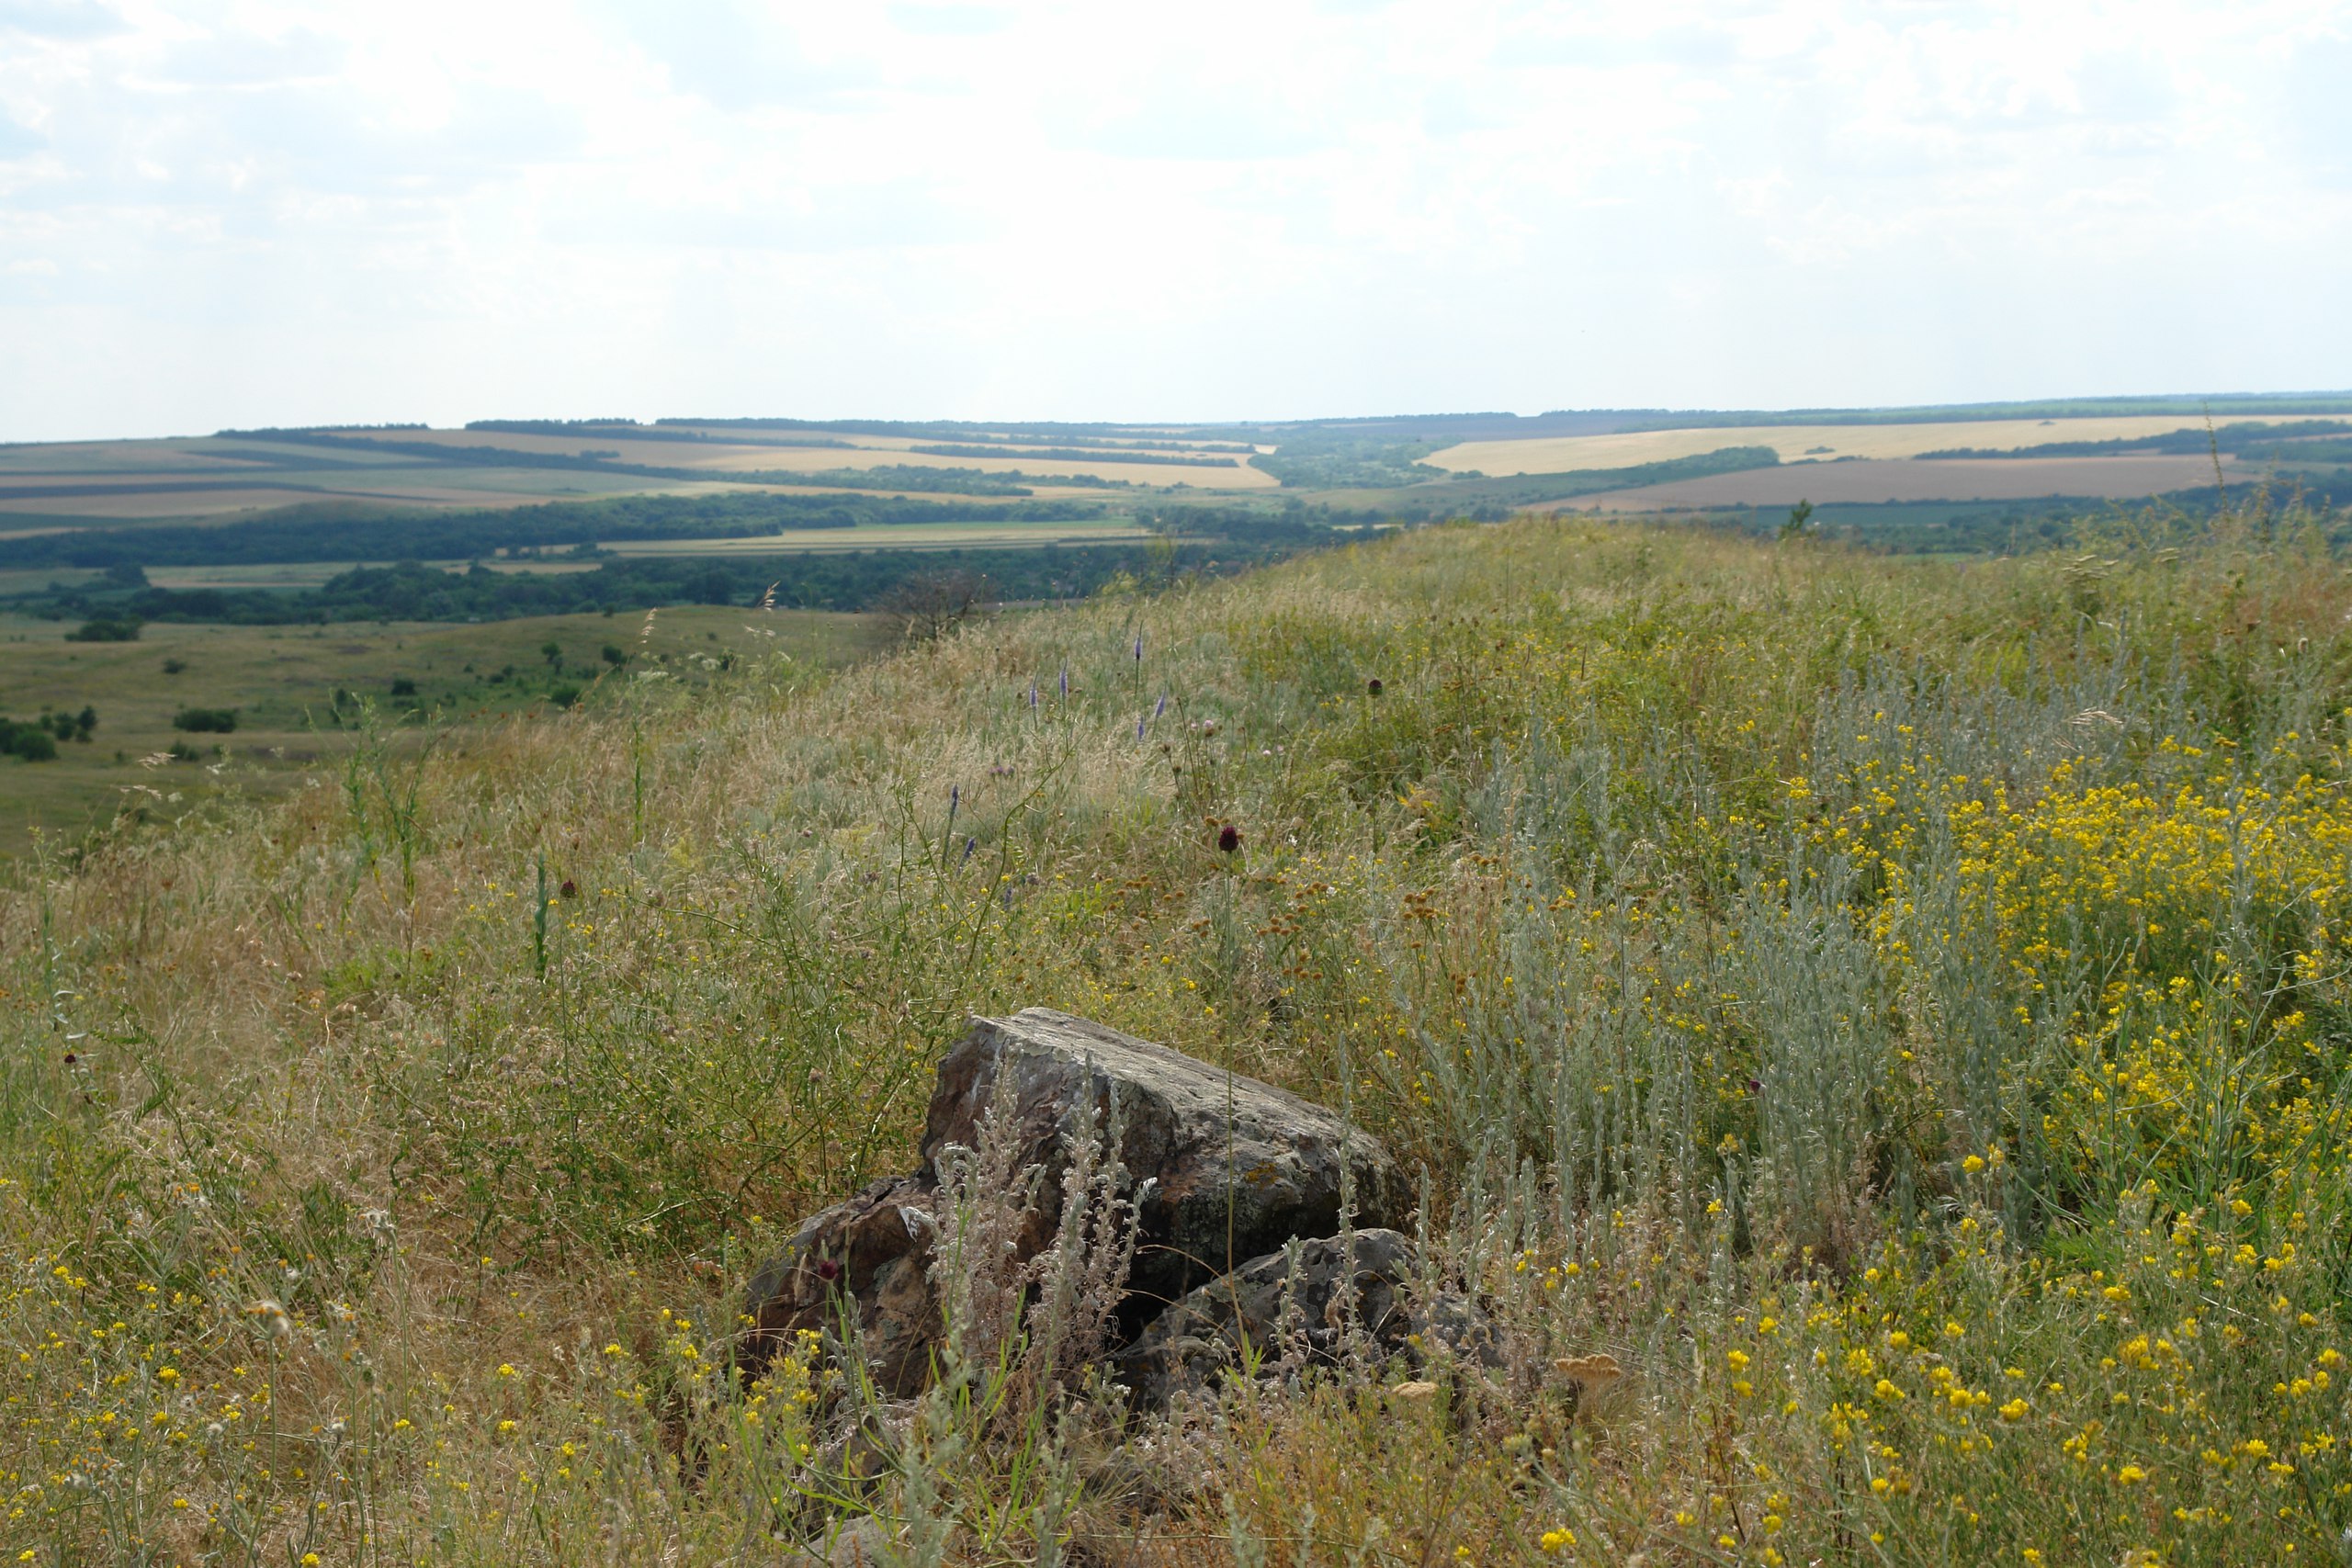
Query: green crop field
{"x":299,"y":695}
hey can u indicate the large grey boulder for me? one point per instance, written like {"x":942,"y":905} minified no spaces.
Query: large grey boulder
{"x":1292,"y":1307}
{"x":1236,"y":1166}
{"x":1223,"y":1168}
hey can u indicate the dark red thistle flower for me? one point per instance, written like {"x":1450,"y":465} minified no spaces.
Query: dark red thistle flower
{"x":1229,"y":838}
{"x":1374,"y":687}
{"x":828,"y":1270}
{"x":69,"y":1058}
{"x":570,"y":889}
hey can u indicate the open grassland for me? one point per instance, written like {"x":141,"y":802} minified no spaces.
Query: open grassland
{"x":300,"y":695}
{"x":1897,"y":1012}
{"x":1796,"y":443}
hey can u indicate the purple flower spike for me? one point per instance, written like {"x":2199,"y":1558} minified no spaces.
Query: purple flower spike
{"x":1162,"y":709}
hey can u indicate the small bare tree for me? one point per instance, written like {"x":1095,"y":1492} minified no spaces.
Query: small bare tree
{"x":929,"y":605}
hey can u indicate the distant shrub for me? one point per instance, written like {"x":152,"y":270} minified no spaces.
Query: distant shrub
{"x":204,"y":721}
{"x":404,"y":687}
{"x":174,"y":666}
{"x":563,"y":696}
{"x":27,"y":742}
{"x":104,"y":631}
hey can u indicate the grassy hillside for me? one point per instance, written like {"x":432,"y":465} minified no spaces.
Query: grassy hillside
{"x":1897,"y":1010}
{"x":302,"y":695}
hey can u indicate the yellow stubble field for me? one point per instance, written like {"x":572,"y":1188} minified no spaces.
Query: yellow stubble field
{"x":1796,"y":443}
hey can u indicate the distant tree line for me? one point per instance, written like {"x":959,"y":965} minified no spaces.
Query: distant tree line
{"x":1458,"y":497}
{"x":1080,"y":455}
{"x":940,"y":429}
{"x":1319,"y":458}
{"x":630,"y":430}
{"x":328,"y":531}
{"x":2307,"y":440}
{"x":854,"y":580}
{"x":1098,"y":445}
{"x":2190,"y":405}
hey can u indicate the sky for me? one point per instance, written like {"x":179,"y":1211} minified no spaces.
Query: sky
{"x":252,"y":213}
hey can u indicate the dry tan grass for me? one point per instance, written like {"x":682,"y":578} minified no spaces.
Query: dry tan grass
{"x":766,"y":875}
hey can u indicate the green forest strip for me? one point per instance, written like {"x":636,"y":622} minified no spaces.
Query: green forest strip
{"x":356,"y":531}
{"x":2058,"y":408}
{"x":830,"y":581}
{"x":2310,"y":440}
{"x":598,"y":430}
{"x":1533,"y":489}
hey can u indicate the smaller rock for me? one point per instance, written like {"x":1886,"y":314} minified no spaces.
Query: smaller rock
{"x":1196,"y":1341}
{"x":1414,"y":1392}
{"x":868,"y":1258}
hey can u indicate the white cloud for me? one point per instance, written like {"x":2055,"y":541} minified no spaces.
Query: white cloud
{"x":255,"y":210}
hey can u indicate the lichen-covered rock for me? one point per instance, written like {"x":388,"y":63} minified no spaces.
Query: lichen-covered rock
{"x":1236,"y":1166}
{"x":1196,"y":1342}
{"x":1224,"y":1168}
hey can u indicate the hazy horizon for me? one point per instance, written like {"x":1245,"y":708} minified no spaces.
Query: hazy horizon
{"x":225,"y":214}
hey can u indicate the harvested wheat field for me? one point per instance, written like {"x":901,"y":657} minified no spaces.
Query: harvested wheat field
{"x":1797,"y":442}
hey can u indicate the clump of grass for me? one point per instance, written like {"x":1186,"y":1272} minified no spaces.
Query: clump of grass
{"x":1896,"y":1011}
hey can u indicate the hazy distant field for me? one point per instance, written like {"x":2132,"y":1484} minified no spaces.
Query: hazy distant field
{"x":222,"y":477}
{"x":859,"y":451}
{"x":1795,"y":443}
{"x":282,"y":680}
{"x":1950,"y":478}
